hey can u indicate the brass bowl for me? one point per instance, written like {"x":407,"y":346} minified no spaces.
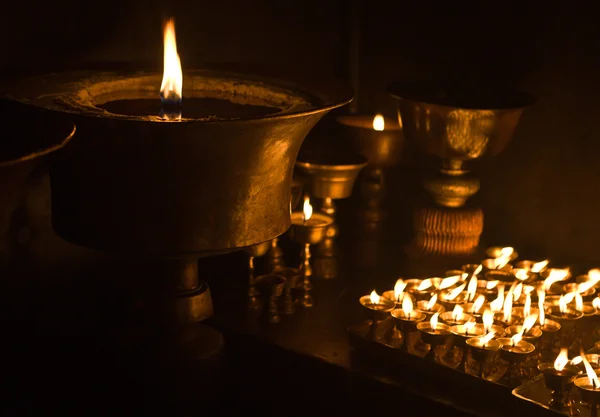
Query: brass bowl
{"x":313,"y":231}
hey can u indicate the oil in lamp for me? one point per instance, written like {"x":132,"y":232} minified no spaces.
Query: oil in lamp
{"x":253,"y":293}
{"x":377,"y":308}
{"x":589,"y":387}
{"x":558,"y":378}
{"x":407,"y":319}
{"x":307,"y":229}
{"x":188,"y":175}
{"x":434,"y":334}
{"x":430,"y":307}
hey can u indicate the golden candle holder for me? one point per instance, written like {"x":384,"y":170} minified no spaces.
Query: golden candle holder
{"x":514,"y":354}
{"x":271,"y":286}
{"x":569,"y":321}
{"x":451,"y":319}
{"x":560,"y":384}
{"x":292,"y":279}
{"x":461,"y":333}
{"x":308,"y":232}
{"x":377,"y":308}
{"x":549,"y":342}
{"x":391,"y":296}
{"x":254,"y":251}
{"x":406,"y":324}
{"x":434,"y":336}
{"x":589,"y":391}
{"x":482,"y":358}
{"x":423,"y":307}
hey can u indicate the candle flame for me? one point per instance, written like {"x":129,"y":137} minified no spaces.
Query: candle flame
{"x":508,"y":302}
{"x":529,"y":322}
{"x":591,"y":374}
{"x":541,"y":298}
{"x":596,"y":303}
{"x":538,"y":266}
{"x":478,"y":304}
{"x":172,"y":82}
{"x":564,"y":300}
{"x":517,"y":291}
{"x":472,"y":288}
{"x":451,"y":295}
{"x":469,"y":326}
{"x":521,"y":274}
{"x":478,"y":270}
{"x":491,"y":285}
{"x":399,"y":288}
{"x":407,"y":306}
{"x":516,"y":338}
{"x":374,"y":297}
{"x":576,"y":360}
{"x":425,"y":284}
{"x":504,"y":258}
{"x":432,"y":302}
{"x":378,"y":123}
{"x":527,"y":306}
{"x":307,"y":209}
{"x":486,"y":339}
{"x":434,"y":321}
{"x":562,"y":359}
{"x":555,"y":275}
{"x":449,"y":281}
{"x":457,"y":313}
{"x":593,"y":279}
{"x":578,"y":302}
{"x":488,"y":320}
{"x":497,"y":304}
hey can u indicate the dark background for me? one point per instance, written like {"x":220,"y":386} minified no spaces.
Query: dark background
{"x":539,"y":195}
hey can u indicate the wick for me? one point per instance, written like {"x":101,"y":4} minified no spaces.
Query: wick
{"x":409,"y":315}
{"x":594,"y":383}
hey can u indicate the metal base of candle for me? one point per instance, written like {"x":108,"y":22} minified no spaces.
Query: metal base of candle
{"x":254,"y":251}
{"x":533,"y":394}
{"x":560,"y":385}
{"x":292,"y":280}
{"x":440,"y":231}
{"x":451,"y":191}
{"x":271,"y":287}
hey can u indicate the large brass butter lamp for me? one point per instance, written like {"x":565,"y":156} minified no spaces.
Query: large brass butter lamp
{"x":455,"y":123}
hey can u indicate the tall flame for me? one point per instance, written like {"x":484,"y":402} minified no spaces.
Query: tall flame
{"x":457,"y":313}
{"x":555,"y":275}
{"x":578,"y":302}
{"x":508,"y":302}
{"x":407,"y":306}
{"x":399,"y":288}
{"x":434,"y":321}
{"x":486,"y":339}
{"x":378,"y":123}
{"x":562,"y":359}
{"x":541,"y":298}
{"x":564,"y":300}
{"x":469,"y":325}
{"x":527,"y":306}
{"x":425,"y":284}
{"x":490,"y":285}
{"x":449,"y":281}
{"x":593,"y":279}
{"x":529,"y":322}
{"x":488,"y":320}
{"x":451,"y":295}
{"x":478,"y":304}
{"x":596,"y":303}
{"x":504,"y":257}
{"x":374,"y":297}
{"x":497,"y":304}
{"x":517,"y":291}
{"x":538,"y":266}
{"x":307,"y":209}
{"x":478,"y":270}
{"x":517,"y":337}
{"x":432,"y":302}
{"x":521,"y":273}
{"x":591,"y":374}
{"x":172,"y":82}
{"x":472,"y":288}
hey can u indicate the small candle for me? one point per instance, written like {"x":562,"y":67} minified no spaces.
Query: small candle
{"x":376,"y":303}
{"x":521,"y":347}
{"x":467,"y":331}
{"x":484,"y":343}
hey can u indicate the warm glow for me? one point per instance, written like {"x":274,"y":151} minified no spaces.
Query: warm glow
{"x":172,"y":82}
{"x":478,"y":304}
{"x":527,"y":306}
{"x":541,"y":298}
{"x":503,"y":258}
{"x":307,"y":209}
{"x":374,"y":297}
{"x":432,"y":302}
{"x":469,"y":325}
{"x":564,"y":300}
{"x":529,"y":322}
{"x":399,"y":288}
{"x":457,"y":313}
{"x":521,"y":273}
{"x":508,"y":302}
{"x":485,"y":339}
{"x":593,"y":279}
{"x":472,"y":288}
{"x":516,"y":338}
{"x":594,"y":381}
{"x":497,"y":304}
{"x":491,"y":285}
{"x":425,"y":284}
{"x":538,"y":266}
{"x":517,"y":291}
{"x":478,"y":270}
{"x":594,"y":274}
{"x":407,"y":306}
{"x":562,"y":359}
{"x":434,"y":321}
{"x":578,"y":302}
{"x":576,"y":360}
{"x":596,"y":303}
{"x":554,"y":276}
{"x":488,"y":320}
{"x":448,"y":282}
{"x":451,"y":295}
{"x":378,"y":123}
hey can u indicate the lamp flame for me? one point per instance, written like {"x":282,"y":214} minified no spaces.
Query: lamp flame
{"x":596,"y":303}
{"x":491,"y":285}
{"x":469,"y":325}
{"x":497,"y":304}
{"x":541,"y":298}
{"x":593,"y":278}
{"x":517,"y":291}
{"x":307,"y":209}
{"x":407,"y":306}
{"x":564,"y":300}
{"x":478,"y":270}
{"x":434,"y":321}
{"x":454,"y":293}
{"x":504,"y":257}
{"x":378,"y":123}
{"x":472,"y":288}
{"x":562,"y":359}
{"x":538,"y":266}
{"x":591,"y":374}
{"x":374,"y":297}
{"x":486,"y":339}
{"x":527,"y":306}
{"x":432,"y":302}
{"x":457,"y":313}
{"x":578,"y":302}
{"x":478,"y":304}
{"x":425,"y":284}
{"x":488,"y":320}
{"x":576,"y":360}
{"x":172,"y":82}
{"x":529,"y":322}
{"x":449,"y":281}
{"x":508,"y":302}
{"x":517,"y":337}
{"x":399,"y":288}
{"x":521,"y":274}
{"x":554,"y":276}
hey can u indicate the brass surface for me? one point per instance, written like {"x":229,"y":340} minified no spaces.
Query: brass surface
{"x":451,"y":191}
{"x":330,"y":180}
{"x":149,"y":187}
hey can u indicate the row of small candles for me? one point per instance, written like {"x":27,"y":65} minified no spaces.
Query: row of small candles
{"x":493,"y":306}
